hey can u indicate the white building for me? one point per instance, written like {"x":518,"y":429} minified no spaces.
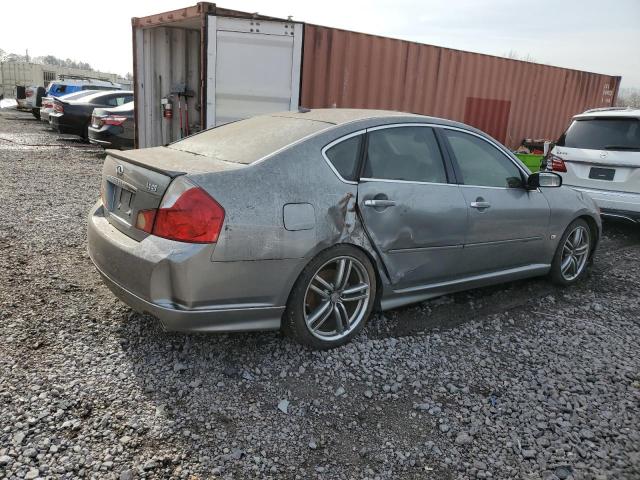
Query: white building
{"x":14,"y":74}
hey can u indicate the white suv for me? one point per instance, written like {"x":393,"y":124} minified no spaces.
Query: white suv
{"x":599,"y":154}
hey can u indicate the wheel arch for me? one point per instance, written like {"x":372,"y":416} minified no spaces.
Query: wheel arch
{"x":370,"y":255}
{"x":593,"y":230}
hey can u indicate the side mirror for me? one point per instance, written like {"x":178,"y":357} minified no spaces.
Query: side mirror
{"x":543,"y":180}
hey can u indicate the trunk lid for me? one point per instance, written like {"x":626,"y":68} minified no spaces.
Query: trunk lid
{"x":137,"y":180}
{"x":601,"y":169}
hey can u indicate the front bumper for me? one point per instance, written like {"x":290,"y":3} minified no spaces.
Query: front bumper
{"x":615,"y":204}
{"x":179,"y":284}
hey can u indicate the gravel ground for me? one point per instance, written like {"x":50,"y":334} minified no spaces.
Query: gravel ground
{"x":523,"y":381}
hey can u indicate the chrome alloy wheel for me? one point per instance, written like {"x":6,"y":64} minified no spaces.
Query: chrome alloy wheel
{"x":575,"y":253}
{"x":337,"y":298}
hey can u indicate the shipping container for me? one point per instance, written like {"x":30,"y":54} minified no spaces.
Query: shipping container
{"x":238,"y":64}
{"x":232,"y":65}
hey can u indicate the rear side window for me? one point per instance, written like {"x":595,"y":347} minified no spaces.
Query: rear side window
{"x":344,"y":157}
{"x":611,"y":133}
{"x":480,"y":163}
{"x":404,"y":153}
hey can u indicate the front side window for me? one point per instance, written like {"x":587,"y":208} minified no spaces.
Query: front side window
{"x":480,"y":163}
{"x":404,"y":153}
{"x":344,"y":157}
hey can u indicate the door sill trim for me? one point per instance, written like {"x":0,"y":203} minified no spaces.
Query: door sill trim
{"x":475,"y":278}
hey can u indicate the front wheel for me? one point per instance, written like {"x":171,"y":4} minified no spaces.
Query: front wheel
{"x":332,"y":298}
{"x":572,"y":256}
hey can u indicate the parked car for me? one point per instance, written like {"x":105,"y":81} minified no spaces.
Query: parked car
{"x":34,"y":95}
{"x":21,"y":97}
{"x":67,"y":84}
{"x":113,"y":127}
{"x":64,"y":86}
{"x":306,"y":221}
{"x":74,"y":116}
{"x":47,"y":102}
{"x":599,"y":154}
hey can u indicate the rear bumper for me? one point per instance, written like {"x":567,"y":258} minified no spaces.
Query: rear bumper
{"x":179,"y":284}
{"x":58,"y":124}
{"x":212,"y":320}
{"x":108,"y":138}
{"x":614,"y":204}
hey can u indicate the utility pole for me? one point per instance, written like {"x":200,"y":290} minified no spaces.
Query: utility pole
{"x":27,"y":55}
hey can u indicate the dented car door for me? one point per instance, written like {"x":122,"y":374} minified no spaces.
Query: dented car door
{"x":415,"y":217}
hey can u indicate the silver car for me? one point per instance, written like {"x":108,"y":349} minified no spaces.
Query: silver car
{"x":307,"y":221}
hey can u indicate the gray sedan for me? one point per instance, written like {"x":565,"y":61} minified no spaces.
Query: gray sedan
{"x":307,"y":221}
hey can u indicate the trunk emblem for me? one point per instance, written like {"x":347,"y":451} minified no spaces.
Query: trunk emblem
{"x":604,"y":154}
{"x":119,"y":170}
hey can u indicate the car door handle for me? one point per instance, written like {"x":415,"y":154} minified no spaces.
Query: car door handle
{"x":480,"y":204}
{"x":379,"y":203}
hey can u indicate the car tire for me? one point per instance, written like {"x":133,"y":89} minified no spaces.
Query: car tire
{"x":320,"y":314}
{"x":36,"y":113}
{"x":572,"y":258}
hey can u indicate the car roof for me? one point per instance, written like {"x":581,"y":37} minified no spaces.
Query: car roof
{"x":84,"y":81}
{"x":338,"y":116}
{"x":620,"y":112}
{"x":101,"y":93}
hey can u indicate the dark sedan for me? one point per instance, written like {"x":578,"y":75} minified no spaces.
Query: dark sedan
{"x":112,"y":127}
{"x":74,"y":116}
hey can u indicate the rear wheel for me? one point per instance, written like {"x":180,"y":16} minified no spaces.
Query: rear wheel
{"x":571,"y":260}
{"x":332,"y":299}
{"x":36,"y":112}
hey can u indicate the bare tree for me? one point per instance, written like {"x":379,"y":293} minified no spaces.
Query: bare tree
{"x":45,"y":59}
{"x":628,"y":97}
{"x":513,"y":55}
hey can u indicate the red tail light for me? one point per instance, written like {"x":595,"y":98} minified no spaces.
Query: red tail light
{"x":57,"y":107}
{"x":557,"y":164}
{"x":29,"y":93}
{"x":113,"y":120}
{"x":187,"y":214}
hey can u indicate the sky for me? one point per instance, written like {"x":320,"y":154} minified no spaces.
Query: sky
{"x":592,"y":35}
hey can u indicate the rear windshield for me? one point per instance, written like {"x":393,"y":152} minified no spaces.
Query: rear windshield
{"x":249,"y":140}
{"x":613,"y":133}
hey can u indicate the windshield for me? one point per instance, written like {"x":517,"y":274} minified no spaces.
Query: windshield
{"x":603,"y":133}
{"x":249,"y":140}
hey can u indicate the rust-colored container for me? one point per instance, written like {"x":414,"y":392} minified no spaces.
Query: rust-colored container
{"x":238,"y":64}
{"x":509,"y":99}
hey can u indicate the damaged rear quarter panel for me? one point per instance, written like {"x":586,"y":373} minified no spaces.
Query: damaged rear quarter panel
{"x":254,"y":197}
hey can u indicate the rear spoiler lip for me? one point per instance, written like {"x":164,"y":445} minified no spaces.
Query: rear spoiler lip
{"x":123,"y":156}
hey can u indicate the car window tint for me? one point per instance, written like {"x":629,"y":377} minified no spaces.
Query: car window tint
{"x":404,"y":153}
{"x":605,"y":133}
{"x":111,"y":101}
{"x":344,"y":157}
{"x":480,"y":163}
